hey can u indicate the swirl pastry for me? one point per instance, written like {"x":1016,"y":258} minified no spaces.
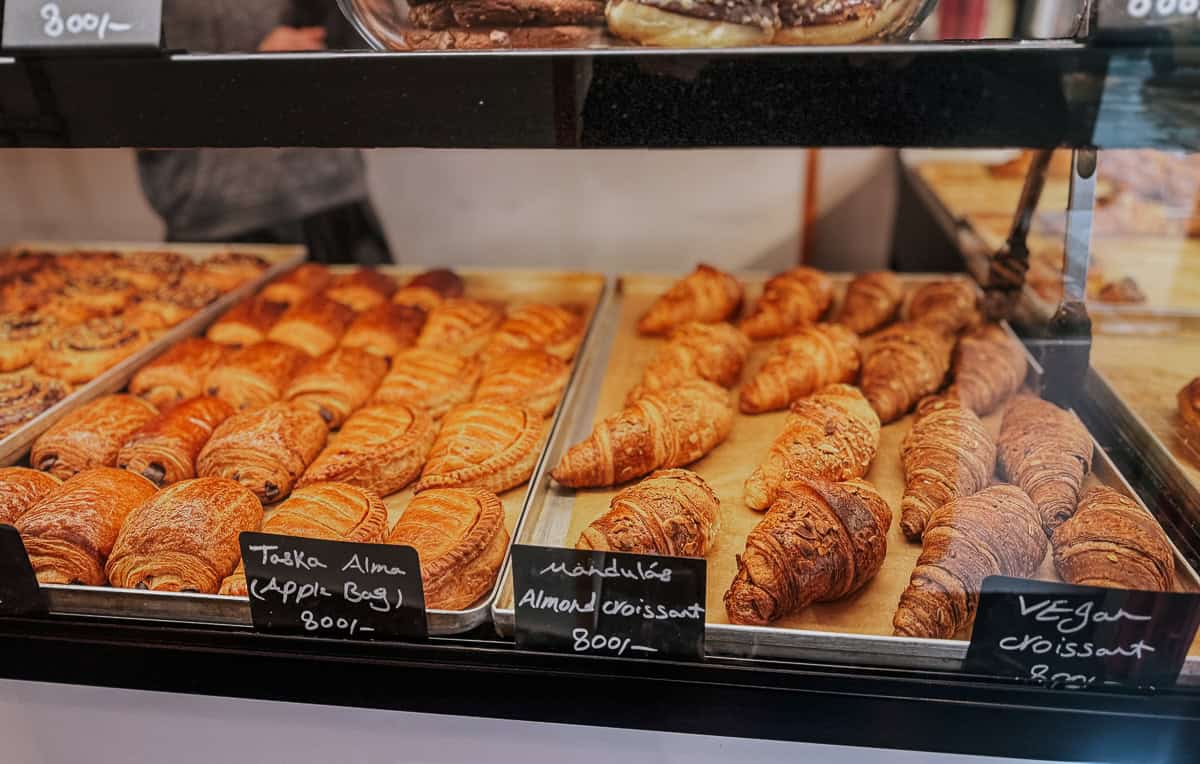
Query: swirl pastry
{"x":427,"y":290}
{"x":790,"y":300}
{"x":989,"y":368}
{"x":22,"y":337}
{"x":552,"y":328}
{"x":177,"y":374}
{"x":871,"y":301}
{"x":714,"y":352}
{"x":460,"y":325}
{"x":483,"y":445}
{"x":1111,"y":541}
{"x":297,"y":285}
{"x":246,"y":323}
{"x":24,"y":395}
{"x":901,"y":365}
{"x":184,"y":538}
{"x":431,"y":379}
{"x":149,"y":271}
{"x":314,"y":325}
{"x":385,"y":330}
{"x":531,"y":379}
{"x":380,"y":448}
{"x":799,"y":364}
{"x":31,"y":290}
{"x":255,"y":375}
{"x":1189,"y":413}
{"x":70,"y":533}
{"x":706,"y":295}
{"x":81,"y":353}
{"x":361,"y":289}
{"x":164,"y":450}
{"x":461,"y":541}
{"x":265,"y":450}
{"x":20,"y":489}
{"x":64,"y":310}
{"x":83,"y":263}
{"x":90,"y":436}
{"x":170,"y":304}
{"x":336,"y":383}
{"x":229,"y":270}
{"x":949,"y":305}
{"x":16,"y":263}
{"x":104,"y":295}
{"x":672,"y":512}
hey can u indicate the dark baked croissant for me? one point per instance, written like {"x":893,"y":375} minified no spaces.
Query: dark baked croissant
{"x":1111,"y":541}
{"x":90,"y":436}
{"x":554,"y":329}
{"x":672,"y":512}
{"x":429,"y":289}
{"x":24,"y":395}
{"x":871,"y":301}
{"x":361,"y":289}
{"x":484,"y":445}
{"x":20,"y":489}
{"x":460,"y":325}
{"x":253,"y":376}
{"x":1189,"y":413}
{"x":297,"y":285}
{"x":265,"y":450}
{"x":381,"y":448}
{"x":164,"y":450}
{"x":715,"y":352}
{"x":706,"y":295}
{"x":83,"y":352}
{"x":337,"y":383}
{"x":22,"y":337}
{"x":790,"y":300}
{"x":315,"y":325}
{"x":807,"y":360}
{"x":177,"y":374}
{"x":246,"y":323}
{"x":989,"y":368}
{"x":531,"y":379}
{"x":901,"y":365}
{"x":385,"y":330}
{"x":432,"y":379}
{"x":949,"y":305}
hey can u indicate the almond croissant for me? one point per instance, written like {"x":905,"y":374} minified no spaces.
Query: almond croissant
{"x":662,"y":430}
{"x":871,"y":301}
{"x":672,"y":512}
{"x":949,"y":304}
{"x":808,"y":360}
{"x":706,"y":295}
{"x":715,"y":352}
{"x":1111,"y":541}
{"x":903,"y":364}
{"x":989,"y":368}
{"x":790,"y":300}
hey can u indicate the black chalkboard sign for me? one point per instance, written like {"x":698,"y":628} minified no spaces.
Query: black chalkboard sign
{"x":1147,"y":20}
{"x":1081,"y":636}
{"x":88,"y":25}
{"x":609,"y":603}
{"x":19,"y":591}
{"x":333,"y":588}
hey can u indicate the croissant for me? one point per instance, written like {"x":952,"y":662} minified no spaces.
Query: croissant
{"x":361,"y":289}
{"x":871,"y":301}
{"x":460,"y":325}
{"x":989,"y":368}
{"x":949,"y":305}
{"x":385,"y":330}
{"x":314,"y":325}
{"x":818,"y":542}
{"x":337,"y":383}
{"x":329,"y":511}
{"x":297,"y":285}
{"x":24,"y":395}
{"x":70,"y":533}
{"x":185,"y":538}
{"x":672,"y":512}
{"x":493,"y":446}
{"x":790,"y":300}
{"x":83,"y":352}
{"x":903,"y":364}
{"x":832,"y":435}
{"x":1111,"y":541}
{"x":706,"y":295}
{"x":662,"y":430}
{"x":429,"y":289}
{"x":994,"y":532}
{"x":164,"y":450}
{"x":946,"y":455}
{"x":1189,"y":413}
{"x":265,"y":450}
{"x":177,"y":374}
{"x":531,"y":379}
{"x":552,"y":328}
{"x":432,"y":379}
{"x":381,"y":448}
{"x":715,"y":352}
{"x":255,"y":375}
{"x":1046,"y":451}
{"x":20,"y":489}
{"x":247,"y":322}
{"x":808,"y":360}
{"x":90,"y":436}
{"x":22,"y":337}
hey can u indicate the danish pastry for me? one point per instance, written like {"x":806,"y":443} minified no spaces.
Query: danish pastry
{"x":90,"y":436}
{"x":22,"y":337}
{"x":170,"y":304}
{"x":149,"y":271}
{"x":531,"y":379}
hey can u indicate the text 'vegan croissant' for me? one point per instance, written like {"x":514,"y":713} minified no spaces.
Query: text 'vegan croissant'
{"x":903,"y":364}
{"x":1111,"y":541}
{"x":989,"y":368}
{"x":790,"y":300}
{"x":715,"y":352}
{"x":672,"y":512}
{"x":706,"y":295}
{"x":808,"y":360}
{"x":871,"y":301}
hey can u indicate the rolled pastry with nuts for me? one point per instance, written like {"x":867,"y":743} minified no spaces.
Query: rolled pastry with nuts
{"x":693,"y":23}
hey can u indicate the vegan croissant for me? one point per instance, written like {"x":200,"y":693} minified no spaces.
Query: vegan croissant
{"x":706,"y":295}
{"x":808,"y":360}
{"x":989,"y":368}
{"x":903,"y":364}
{"x":1111,"y":541}
{"x":715,"y":352}
{"x":672,"y":512}
{"x":790,"y":300}
{"x":871,"y":301}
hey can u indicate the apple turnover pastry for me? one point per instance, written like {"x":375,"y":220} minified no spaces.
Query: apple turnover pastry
{"x":483,"y":445}
{"x":460,"y":325}
{"x":531,"y":379}
{"x":431,"y":379}
{"x":554,"y":329}
{"x":90,"y":436}
{"x":380,"y":448}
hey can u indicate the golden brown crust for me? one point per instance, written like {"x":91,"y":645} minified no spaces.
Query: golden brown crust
{"x":871,"y":301}
{"x":20,"y":489}
{"x":151,"y":270}
{"x":83,"y":352}
{"x":22,"y":338}
{"x":531,"y":379}
{"x":1189,"y":413}
{"x":672,"y":512}
{"x":164,"y":450}
{"x":809,"y":359}
{"x":431,"y":379}
{"x":493,"y":446}
{"x":989,"y":368}
{"x":1111,"y":541}
{"x":337,"y":383}
{"x":170,"y":304}
{"x":427,"y":290}
{"x":715,"y":352}
{"x":90,"y":436}
{"x":442,"y":14}
{"x":385,"y":330}
{"x":229,"y":270}
{"x":903,"y":364}
{"x":706,"y":295}
{"x":297,"y":285}
{"x":85,"y":263}
{"x":460,"y":325}
{"x":314,"y":325}
{"x":790,"y":300}
{"x":184,"y":538}
{"x":177,"y":374}
{"x":949,"y":304}
{"x":24,"y":395}
{"x":246,"y":323}
{"x":362,"y":289}
{"x":496,"y":38}
{"x":554,"y":329}
{"x":103,"y":295}
{"x":381,"y":448}
{"x":1124,"y":291}
{"x":255,"y":375}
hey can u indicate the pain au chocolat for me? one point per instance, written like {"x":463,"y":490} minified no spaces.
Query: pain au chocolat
{"x":164,"y":450}
{"x":26,"y":394}
{"x":90,"y":436}
{"x":177,"y":374}
{"x":20,"y":489}
{"x":297,"y":285}
{"x":246,"y":323}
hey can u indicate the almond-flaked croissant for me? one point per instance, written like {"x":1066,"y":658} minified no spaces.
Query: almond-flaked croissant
{"x":947,"y":454}
{"x":1046,"y":451}
{"x":555,"y":329}
{"x":949,"y":304}
{"x":532,"y":379}
{"x":790,"y":300}
{"x":808,"y":360}
{"x":1189,"y":413}
{"x":995,"y":532}
{"x":871,"y":301}
{"x":706,"y":295}
{"x":831,"y":435}
{"x":901,"y":365}
{"x":381,"y":448}
{"x":1111,"y":541}
{"x":715,"y":352}
{"x":818,"y":542}
{"x":662,"y":430}
{"x":672,"y":512}
{"x":493,"y":446}
{"x":989,"y":368}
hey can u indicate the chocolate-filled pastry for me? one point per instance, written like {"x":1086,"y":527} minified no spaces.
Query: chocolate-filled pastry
{"x":297,"y":285}
{"x":443,"y":14}
{"x":385,"y":330}
{"x":70,"y":533}
{"x":808,"y":360}
{"x":949,"y":304}
{"x":326,"y":511}
{"x":90,"y":436}
{"x":672,"y":512}
{"x":808,"y":22}
{"x":83,"y":352}
{"x":184,"y":538}
{"x":484,"y":445}
{"x":715,"y":352}
{"x":247,"y":322}
{"x":265,"y":450}
{"x":381,"y":448}
{"x":177,"y":374}
{"x":362,"y":289}
{"x":427,"y":290}
{"x":553,"y":328}
{"x":497,"y":38}
{"x":460,"y":325}
{"x":103,"y":295}
{"x":22,"y":337}
{"x":314,"y":325}
{"x":901,"y":365}
{"x":20,"y":489}
{"x":255,"y":375}
{"x":25,"y":394}
{"x":229,"y":270}
{"x":164,"y":450}
{"x":430,"y":379}
{"x":1189,"y":413}
{"x":1110,"y":541}
{"x":170,"y":304}
{"x":989,"y":368}
{"x":688,"y":24}
{"x":149,"y":271}
{"x":461,"y":541}
{"x":335,"y":384}
{"x":531,"y":379}
{"x":790,"y":300}
{"x":871,"y":301}
{"x":706,"y":295}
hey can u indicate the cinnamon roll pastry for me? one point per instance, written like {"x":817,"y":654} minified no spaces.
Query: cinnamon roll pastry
{"x":26,"y":394}
{"x":229,"y":270}
{"x":177,"y":374}
{"x":949,"y":304}
{"x":799,"y":364}
{"x":871,"y":302}
{"x":184,"y":538}
{"x":150,"y":271}
{"x":790,"y":300}
{"x":431,"y":379}
{"x":83,"y":264}
{"x":362,"y":289}
{"x":30,"y":290}
{"x":297,"y":285}
{"x":20,"y":489}
{"x":253,"y":376}
{"x":427,"y":290}
{"x":90,"y":436}
{"x":337,"y":383}
{"x":247,"y":322}
{"x":170,"y":304}
{"x":15,"y":263}
{"x":485,"y":445}
{"x":103,"y":295}
{"x":714,"y":352}
{"x":706,"y":295}
{"x":164,"y":450}
{"x":531,"y":379}
{"x":385,"y":330}
{"x":380,"y":448}
{"x":554,"y":329}
{"x":83,"y":352}
{"x":460,"y":325}
{"x":22,"y":337}
{"x":672,"y":512}
{"x":64,"y":310}
{"x":989,"y":368}
{"x":265,"y":450}
{"x":314,"y":325}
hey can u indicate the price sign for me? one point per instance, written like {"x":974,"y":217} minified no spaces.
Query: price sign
{"x":1081,"y":636}
{"x":1140,"y":19}
{"x":609,"y":603}
{"x":81,"y":24}
{"x":19,"y":591}
{"x":333,"y":588}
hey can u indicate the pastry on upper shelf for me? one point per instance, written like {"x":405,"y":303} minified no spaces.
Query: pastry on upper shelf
{"x":461,"y":541}
{"x":315,"y":325}
{"x":229,"y":270}
{"x":246,"y":323}
{"x":831,"y":435}
{"x":790,"y":300}
{"x":386,"y":329}
{"x":460,"y":325}
{"x":432,"y":379}
{"x":901,"y":365}
{"x":818,"y":542}
{"x":871,"y":301}
{"x":483,"y":445}
{"x":164,"y":449}
{"x":803,"y":22}
{"x":70,"y":533}
{"x":1189,"y":413}
{"x":265,"y":450}
{"x":177,"y":374}
{"x":667,"y":429}
{"x":532,"y":379}
{"x":687,"y":24}
{"x":84,"y":263}
{"x":429,"y":289}
{"x":995,"y":532}
{"x":475,"y":14}
{"x":1111,"y":541}
{"x":706,"y":295}
{"x":715,"y":352}
{"x":26,"y":394}
{"x":81,"y":353}
{"x":16,"y":263}
{"x":1047,"y":452}
{"x":672,"y":512}
{"x":554,"y":329}
{"x":381,"y":448}
{"x":498,"y":38}
{"x":361,"y":289}
{"x":184,"y":538}
{"x":64,"y":310}
{"x":20,"y":489}
{"x":297,"y":285}
{"x":1123,"y":291}
{"x":989,"y":368}
{"x":255,"y":375}
{"x":170,"y":304}
{"x":103,"y":295}
{"x":336,"y":383}
{"x":813,"y":357}
{"x":152,"y":270}
{"x":22,"y":338}
{"x":33,"y":291}
{"x":90,"y":436}
{"x":950,"y":304}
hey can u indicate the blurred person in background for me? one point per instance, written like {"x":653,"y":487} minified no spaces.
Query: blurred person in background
{"x":310,"y":196}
